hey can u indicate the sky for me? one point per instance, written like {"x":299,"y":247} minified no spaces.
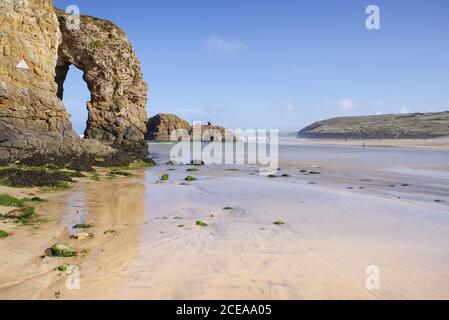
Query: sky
{"x":279,"y":64}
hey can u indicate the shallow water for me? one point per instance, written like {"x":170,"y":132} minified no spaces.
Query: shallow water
{"x":372,"y":157}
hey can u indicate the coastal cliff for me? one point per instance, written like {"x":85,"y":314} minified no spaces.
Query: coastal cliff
{"x":37,"y":50}
{"x":401,"y":126}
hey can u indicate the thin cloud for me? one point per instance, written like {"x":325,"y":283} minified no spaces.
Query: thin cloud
{"x":289,"y":108}
{"x":405,"y":110}
{"x":224,"y":45}
{"x":346,"y":104}
{"x":215,"y":110}
{"x":379,"y":104}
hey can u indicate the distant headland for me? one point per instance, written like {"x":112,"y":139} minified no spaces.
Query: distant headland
{"x":391,"y":126}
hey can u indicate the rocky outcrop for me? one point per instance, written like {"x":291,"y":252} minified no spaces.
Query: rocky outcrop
{"x":401,"y":126}
{"x":30,"y":112}
{"x":117,"y":113}
{"x":161,"y":126}
{"x":32,"y":115}
{"x":211,"y":132}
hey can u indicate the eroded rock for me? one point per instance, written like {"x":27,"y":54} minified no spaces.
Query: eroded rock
{"x":161,"y":126}
{"x":31,"y":114}
{"x":117,"y":113}
{"x":33,"y":118}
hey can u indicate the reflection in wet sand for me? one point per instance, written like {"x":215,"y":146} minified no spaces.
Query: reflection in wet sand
{"x":117,"y":211}
{"x":115,"y":208}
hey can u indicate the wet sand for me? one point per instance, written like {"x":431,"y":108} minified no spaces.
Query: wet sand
{"x":438,"y":143}
{"x":337,"y":223}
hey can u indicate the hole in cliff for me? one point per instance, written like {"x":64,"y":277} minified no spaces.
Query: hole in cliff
{"x":76,"y":95}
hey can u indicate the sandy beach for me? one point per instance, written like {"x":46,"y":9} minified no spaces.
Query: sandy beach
{"x":391,"y":213}
{"x":439,"y":143}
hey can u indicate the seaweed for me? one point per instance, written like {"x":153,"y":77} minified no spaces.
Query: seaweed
{"x":83,"y":226}
{"x":201,"y":223}
{"x":60,"y":250}
{"x":20,"y":178}
{"x":10,"y":201}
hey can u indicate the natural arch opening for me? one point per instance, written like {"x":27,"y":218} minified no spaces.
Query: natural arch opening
{"x":75,"y":94}
{"x":118,"y":93}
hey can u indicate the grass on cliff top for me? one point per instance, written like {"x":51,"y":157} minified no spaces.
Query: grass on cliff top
{"x":415,"y":125}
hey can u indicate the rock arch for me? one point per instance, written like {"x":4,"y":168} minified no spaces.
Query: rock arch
{"x":33,"y":120}
{"x":117,"y":113}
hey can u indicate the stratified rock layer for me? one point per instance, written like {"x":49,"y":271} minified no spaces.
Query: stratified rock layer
{"x":392,"y":126}
{"x":32,"y":116}
{"x":30,"y":112}
{"x":117,"y":113}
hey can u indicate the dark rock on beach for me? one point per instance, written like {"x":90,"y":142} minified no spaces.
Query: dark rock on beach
{"x":32,"y":178}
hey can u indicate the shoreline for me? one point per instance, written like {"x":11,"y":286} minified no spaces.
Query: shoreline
{"x":148,"y":245}
{"x":438,"y":143}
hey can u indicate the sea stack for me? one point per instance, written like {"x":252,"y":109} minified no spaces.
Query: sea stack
{"x":161,"y":126}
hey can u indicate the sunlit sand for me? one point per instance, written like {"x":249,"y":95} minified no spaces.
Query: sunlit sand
{"x":360,"y":210}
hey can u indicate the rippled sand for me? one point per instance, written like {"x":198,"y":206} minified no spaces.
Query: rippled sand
{"x":336,"y":224}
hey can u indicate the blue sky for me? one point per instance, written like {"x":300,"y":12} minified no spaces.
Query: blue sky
{"x":280,"y":64}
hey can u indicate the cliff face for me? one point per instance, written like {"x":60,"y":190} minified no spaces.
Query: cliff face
{"x":161,"y":126}
{"x":403,"y":126}
{"x":29,"y":108}
{"x":32,"y":115}
{"x":117,"y":113}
